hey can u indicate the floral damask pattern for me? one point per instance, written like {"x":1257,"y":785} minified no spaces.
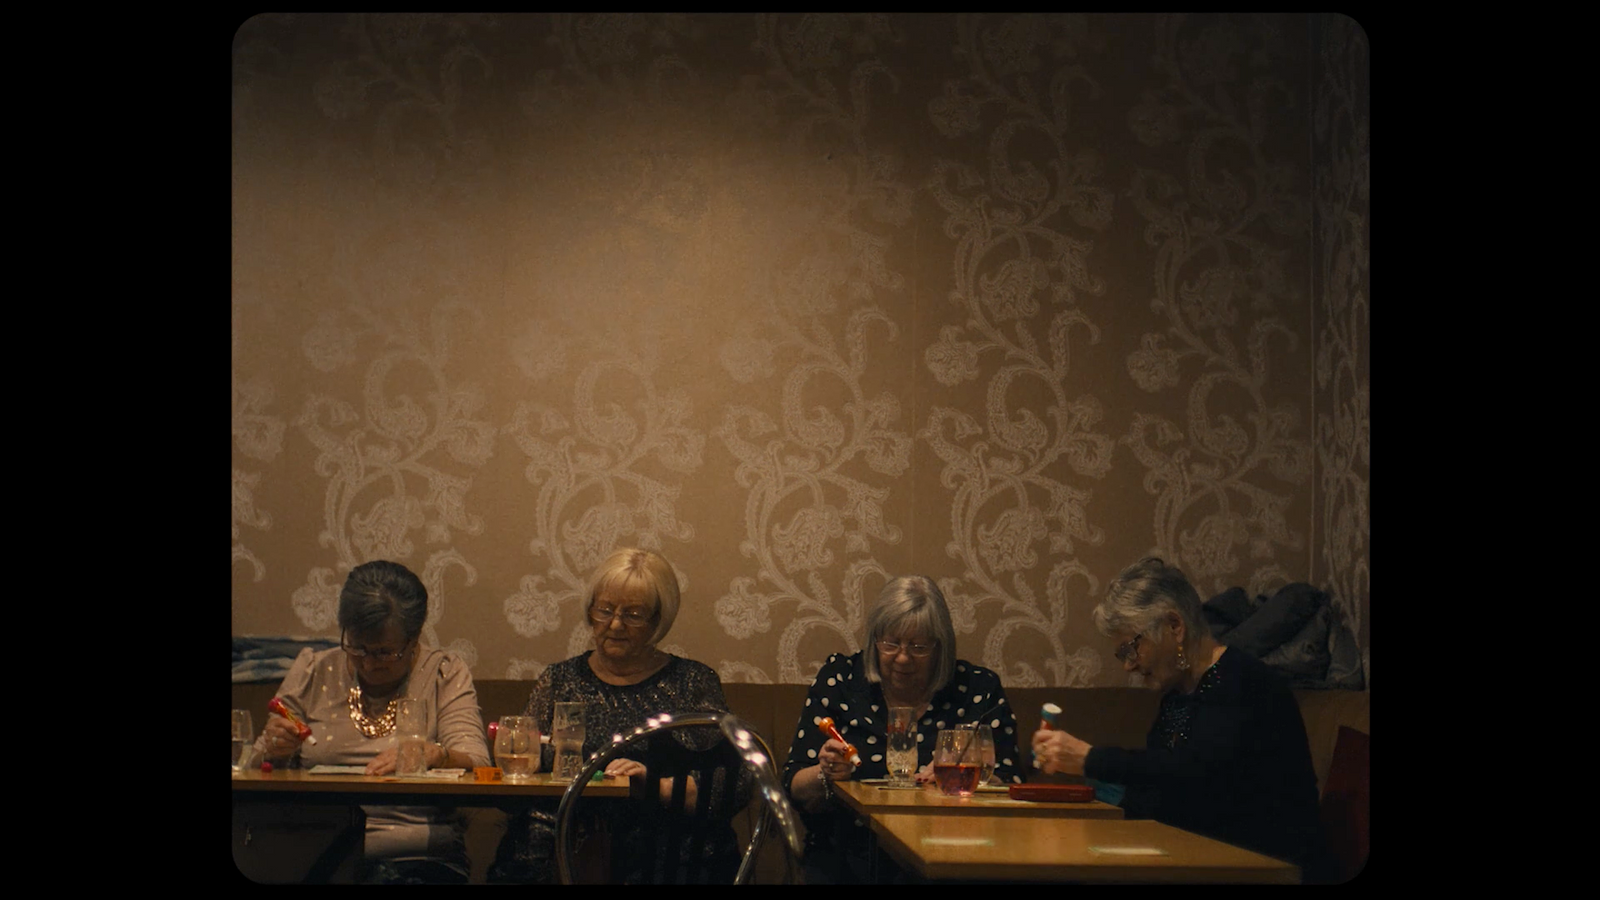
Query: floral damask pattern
{"x":1020,"y":273}
{"x":1007,"y":300}
{"x":1219,"y":472}
{"x":591,"y":497}
{"x":1343,"y":187}
{"x":388,"y":461}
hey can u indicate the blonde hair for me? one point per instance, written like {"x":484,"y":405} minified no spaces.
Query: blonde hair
{"x":628,"y":568}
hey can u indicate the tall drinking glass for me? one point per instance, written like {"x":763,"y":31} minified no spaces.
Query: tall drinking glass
{"x":985,"y":740}
{"x":901,"y":757}
{"x":956,"y":762}
{"x":516,"y":748}
{"x":411,"y":736}
{"x":243,"y":735}
{"x":566,"y":738}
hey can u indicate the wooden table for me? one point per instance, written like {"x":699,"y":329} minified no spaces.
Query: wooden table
{"x":995,"y":848}
{"x":292,"y":826}
{"x":297,"y":786}
{"x":869,"y":800}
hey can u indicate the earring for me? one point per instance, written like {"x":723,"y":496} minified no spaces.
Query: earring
{"x":1183,"y":661}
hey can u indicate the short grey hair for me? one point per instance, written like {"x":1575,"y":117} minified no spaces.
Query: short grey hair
{"x":380,"y":591}
{"x":1139,"y":600}
{"x":628,"y":567}
{"x":907,"y":605}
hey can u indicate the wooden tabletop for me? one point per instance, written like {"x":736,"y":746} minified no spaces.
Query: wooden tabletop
{"x":1068,"y":849}
{"x":299,"y":786}
{"x":870,"y":800}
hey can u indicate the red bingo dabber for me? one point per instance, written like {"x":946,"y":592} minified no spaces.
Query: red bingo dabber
{"x":849,"y":748}
{"x":276,"y":706}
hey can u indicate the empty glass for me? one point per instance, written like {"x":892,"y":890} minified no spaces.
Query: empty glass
{"x":957,"y":761}
{"x":901,"y":757}
{"x":566,"y":739}
{"x":516,"y":748}
{"x":243,"y":736}
{"x":411,"y":736}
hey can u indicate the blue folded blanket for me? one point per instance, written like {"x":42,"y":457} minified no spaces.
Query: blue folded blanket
{"x":257,"y":659}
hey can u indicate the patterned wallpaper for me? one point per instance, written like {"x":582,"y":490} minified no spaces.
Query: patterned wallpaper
{"x":803,"y":302}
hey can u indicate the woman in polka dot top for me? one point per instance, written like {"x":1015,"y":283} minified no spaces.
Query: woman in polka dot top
{"x":909,"y":660}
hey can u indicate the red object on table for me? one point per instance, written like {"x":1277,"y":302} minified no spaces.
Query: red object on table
{"x":1051,"y":793}
{"x":266,"y":766}
{"x":276,"y":706}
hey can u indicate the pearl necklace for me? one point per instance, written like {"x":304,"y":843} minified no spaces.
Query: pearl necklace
{"x":371,"y":727}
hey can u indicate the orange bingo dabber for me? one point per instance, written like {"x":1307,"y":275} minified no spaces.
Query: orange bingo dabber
{"x":849,"y":748}
{"x":275,"y":705}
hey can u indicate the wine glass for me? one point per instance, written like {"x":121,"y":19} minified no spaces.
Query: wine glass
{"x":956,"y":761}
{"x":985,"y":745}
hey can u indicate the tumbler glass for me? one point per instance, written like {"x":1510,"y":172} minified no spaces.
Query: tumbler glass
{"x":901,"y":757}
{"x":411,"y":736}
{"x":566,"y":738}
{"x":243,"y":735}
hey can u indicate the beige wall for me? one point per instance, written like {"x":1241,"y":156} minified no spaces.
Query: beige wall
{"x":803,"y":302}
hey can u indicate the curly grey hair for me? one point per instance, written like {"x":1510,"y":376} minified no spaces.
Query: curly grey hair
{"x":1139,"y":600}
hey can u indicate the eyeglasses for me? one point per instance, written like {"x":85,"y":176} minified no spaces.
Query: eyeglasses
{"x":1129,"y":650}
{"x":602,"y":615}
{"x":379,"y":655}
{"x":920,"y":651}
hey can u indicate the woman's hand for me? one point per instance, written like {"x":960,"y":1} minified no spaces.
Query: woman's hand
{"x":834,"y":763}
{"x":924,"y":774}
{"x":281,"y":738}
{"x":384,"y":762}
{"x":1056,"y":751}
{"x":624,"y":768}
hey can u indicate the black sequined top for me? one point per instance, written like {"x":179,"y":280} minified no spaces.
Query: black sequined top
{"x":526,"y":852}
{"x":1229,"y":761}
{"x":682,"y":686}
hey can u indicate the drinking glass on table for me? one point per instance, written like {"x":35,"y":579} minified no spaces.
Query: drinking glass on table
{"x":516,"y":748}
{"x":566,"y":739}
{"x":411,"y":736}
{"x":985,"y":739}
{"x":243,"y":736}
{"x":957,"y":762}
{"x":901,"y":756}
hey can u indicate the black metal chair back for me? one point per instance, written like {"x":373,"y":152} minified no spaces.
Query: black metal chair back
{"x":670,"y":843}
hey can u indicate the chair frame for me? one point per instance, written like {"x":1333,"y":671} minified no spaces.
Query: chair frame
{"x":752,"y":749}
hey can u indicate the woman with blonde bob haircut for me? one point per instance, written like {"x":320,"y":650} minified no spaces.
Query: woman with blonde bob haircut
{"x":909,"y":659}
{"x":625,"y":680}
{"x":638,"y":572}
{"x":1227,"y":755}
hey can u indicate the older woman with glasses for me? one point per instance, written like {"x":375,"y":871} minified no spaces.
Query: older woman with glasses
{"x":624,"y":680}
{"x":909,"y":659}
{"x":348,"y":696}
{"x":1227,"y":756}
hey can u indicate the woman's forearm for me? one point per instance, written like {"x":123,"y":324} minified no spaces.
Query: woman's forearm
{"x":807,"y":788}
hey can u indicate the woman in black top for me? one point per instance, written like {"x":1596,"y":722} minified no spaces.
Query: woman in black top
{"x":1227,"y":756}
{"x":624,"y":681}
{"x":909,"y":660}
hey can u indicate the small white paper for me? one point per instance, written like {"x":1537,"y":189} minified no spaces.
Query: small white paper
{"x":337,"y":770}
{"x":1129,"y":851}
{"x":959,"y":841}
